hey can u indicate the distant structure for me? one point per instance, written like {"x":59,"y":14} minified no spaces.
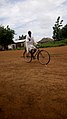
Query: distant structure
{"x":45,"y":40}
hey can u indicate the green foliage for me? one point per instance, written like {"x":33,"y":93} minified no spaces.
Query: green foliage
{"x":20,"y":48}
{"x":54,"y":44}
{"x":57,"y":29}
{"x":22,"y":37}
{"x":64,"y":31}
{"x":6,"y":36}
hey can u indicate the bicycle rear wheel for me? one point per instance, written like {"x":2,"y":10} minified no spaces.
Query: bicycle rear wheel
{"x":44,"y":57}
{"x":27,"y":57}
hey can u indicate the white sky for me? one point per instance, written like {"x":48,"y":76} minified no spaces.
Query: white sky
{"x":39,"y":16}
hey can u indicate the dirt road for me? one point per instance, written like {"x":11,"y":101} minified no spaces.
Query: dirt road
{"x":32,"y":90}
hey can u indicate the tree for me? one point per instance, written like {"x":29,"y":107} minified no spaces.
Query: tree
{"x":6,"y":36}
{"x":57,"y":29}
{"x":64,"y":31}
{"x":22,"y":37}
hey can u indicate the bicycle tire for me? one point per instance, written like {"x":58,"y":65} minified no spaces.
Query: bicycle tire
{"x":43,"y":57}
{"x":27,"y":57}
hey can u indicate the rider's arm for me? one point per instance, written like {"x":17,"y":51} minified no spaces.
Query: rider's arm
{"x":26,"y":44}
{"x":34,"y":43}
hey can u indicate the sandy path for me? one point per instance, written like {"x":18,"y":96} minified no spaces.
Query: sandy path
{"x":31,"y":90}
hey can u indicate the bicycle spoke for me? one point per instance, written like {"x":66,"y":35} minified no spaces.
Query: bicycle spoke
{"x":44,"y":57}
{"x":27,"y":57}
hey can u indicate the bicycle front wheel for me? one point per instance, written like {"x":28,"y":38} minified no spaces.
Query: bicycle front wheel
{"x":27,"y":57}
{"x":44,"y":57}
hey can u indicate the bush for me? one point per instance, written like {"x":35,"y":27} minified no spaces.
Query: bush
{"x":54,"y":44}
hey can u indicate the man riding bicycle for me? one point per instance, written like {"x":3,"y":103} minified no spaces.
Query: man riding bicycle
{"x":30,"y":48}
{"x":30,"y":45}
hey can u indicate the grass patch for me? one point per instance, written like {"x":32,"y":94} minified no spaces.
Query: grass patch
{"x":54,"y":44}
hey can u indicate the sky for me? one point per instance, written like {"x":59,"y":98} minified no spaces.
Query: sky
{"x":39,"y":16}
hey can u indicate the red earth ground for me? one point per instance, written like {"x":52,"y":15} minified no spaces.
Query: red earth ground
{"x":32,"y":90}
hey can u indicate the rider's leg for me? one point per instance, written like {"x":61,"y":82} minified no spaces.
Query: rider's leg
{"x":24,"y":52}
{"x":32,"y":52}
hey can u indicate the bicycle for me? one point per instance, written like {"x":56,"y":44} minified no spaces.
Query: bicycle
{"x":42,"y":56}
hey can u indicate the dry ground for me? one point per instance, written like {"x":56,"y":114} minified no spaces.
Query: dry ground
{"x":32,"y":90}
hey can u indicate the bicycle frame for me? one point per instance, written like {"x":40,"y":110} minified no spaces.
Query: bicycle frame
{"x":36,"y":53}
{"x":41,"y":55}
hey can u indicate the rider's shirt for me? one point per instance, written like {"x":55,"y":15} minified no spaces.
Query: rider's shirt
{"x":29,"y":43}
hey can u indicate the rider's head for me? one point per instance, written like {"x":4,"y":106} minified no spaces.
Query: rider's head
{"x":29,"y":33}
